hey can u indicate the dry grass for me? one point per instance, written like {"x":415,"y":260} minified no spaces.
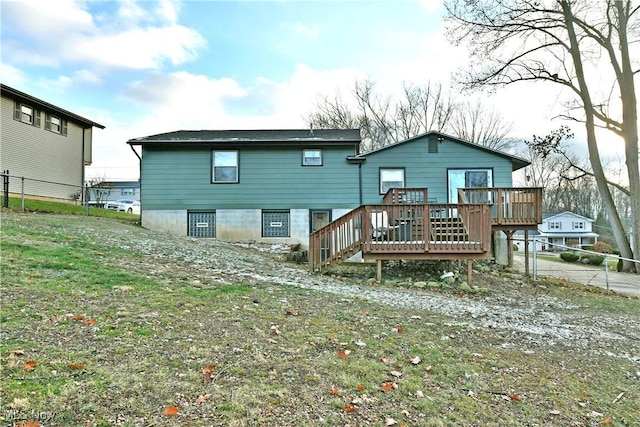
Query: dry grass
{"x":116,"y":345}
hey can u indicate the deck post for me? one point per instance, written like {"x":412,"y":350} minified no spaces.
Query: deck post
{"x":469,"y":271}
{"x":379,"y":270}
{"x":526,"y":252}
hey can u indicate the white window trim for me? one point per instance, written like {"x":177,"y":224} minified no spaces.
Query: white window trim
{"x":236,"y":166}
{"x":390,"y":169}
{"x":305,"y":157}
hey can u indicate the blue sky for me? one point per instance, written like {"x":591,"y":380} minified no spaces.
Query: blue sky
{"x":142,"y":68}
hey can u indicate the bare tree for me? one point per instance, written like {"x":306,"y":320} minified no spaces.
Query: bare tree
{"x":384,"y":120}
{"x":485,"y":126}
{"x":570,"y":43}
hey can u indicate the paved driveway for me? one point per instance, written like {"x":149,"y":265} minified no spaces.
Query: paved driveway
{"x":623,"y":283}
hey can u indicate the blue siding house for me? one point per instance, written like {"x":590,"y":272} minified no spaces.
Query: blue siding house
{"x":281,"y":185}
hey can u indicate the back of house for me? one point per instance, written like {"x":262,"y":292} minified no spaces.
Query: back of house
{"x":280,"y":185}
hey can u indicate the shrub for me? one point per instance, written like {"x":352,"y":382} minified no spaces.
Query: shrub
{"x":594,"y":259}
{"x":602,"y":247}
{"x":569,"y":256}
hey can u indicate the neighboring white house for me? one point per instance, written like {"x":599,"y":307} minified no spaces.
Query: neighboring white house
{"x":565,"y":228}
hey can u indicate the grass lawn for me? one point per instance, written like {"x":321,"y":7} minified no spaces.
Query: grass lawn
{"x":87,"y":340}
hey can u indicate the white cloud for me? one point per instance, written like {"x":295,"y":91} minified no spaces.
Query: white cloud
{"x":140,"y":39}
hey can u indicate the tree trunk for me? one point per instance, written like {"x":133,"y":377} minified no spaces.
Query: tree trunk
{"x":592,"y":145}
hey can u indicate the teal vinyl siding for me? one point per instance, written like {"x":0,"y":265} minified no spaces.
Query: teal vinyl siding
{"x":425,"y":169}
{"x":269,"y":178}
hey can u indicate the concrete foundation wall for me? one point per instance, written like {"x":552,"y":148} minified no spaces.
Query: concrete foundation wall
{"x":174,"y":222}
{"x":236,"y":224}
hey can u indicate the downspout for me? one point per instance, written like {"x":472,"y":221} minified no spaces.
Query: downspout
{"x":360,"y":181}
{"x":82,"y":174}
{"x":139,"y":177}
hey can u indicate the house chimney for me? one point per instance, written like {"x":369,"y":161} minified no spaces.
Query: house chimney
{"x":311,"y":129}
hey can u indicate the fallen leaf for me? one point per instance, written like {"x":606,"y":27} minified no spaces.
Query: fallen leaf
{"x":202,"y":398}
{"x":384,"y":359}
{"x":607,"y":421}
{"x":17,"y":352}
{"x":515,"y":397}
{"x":419,"y":394}
{"x":395,"y":374}
{"x":334,"y":391}
{"x":390,"y":422}
{"x":292,"y":313}
{"x":342,"y":354}
{"x":416,"y":360}
{"x":427,"y":371}
{"x":29,"y":365}
{"x":388,"y":386}
{"x":170,"y":411}
{"x":76,"y":365}
{"x":416,"y":317}
{"x":349,"y":408}
{"x":360,"y":387}
{"x":400,"y":329}
{"x":90,"y":322}
{"x":207,"y":373}
{"x":275,"y":329}
{"x":28,"y":423}
{"x":78,"y":317}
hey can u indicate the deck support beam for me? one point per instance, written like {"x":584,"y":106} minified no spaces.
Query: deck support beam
{"x":379,"y":270}
{"x":469,"y":271}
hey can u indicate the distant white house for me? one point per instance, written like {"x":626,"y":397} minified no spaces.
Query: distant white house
{"x":565,"y":228}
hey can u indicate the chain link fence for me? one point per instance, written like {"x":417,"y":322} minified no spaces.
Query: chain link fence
{"x":583,"y":267}
{"x":28,"y":190}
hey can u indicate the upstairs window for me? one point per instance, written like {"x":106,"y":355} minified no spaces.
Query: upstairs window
{"x":225,"y":167}
{"x":391,"y":178}
{"x":55,"y":124}
{"x":578,"y":225}
{"x":555,"y":226}
{"x":26,"y":114}
{"x":311,"y":157}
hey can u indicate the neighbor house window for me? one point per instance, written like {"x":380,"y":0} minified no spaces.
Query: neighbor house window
{"x":554,"y":226}
{"x":127,"y":191}
{"x":578,"y":225}
{"x":311,"y":157}
{"x":391,"y":178}
{"x":275,"y":223}
{"x":55,"y":124}
{"x":225,"y":166}
{"x":26,"y":114}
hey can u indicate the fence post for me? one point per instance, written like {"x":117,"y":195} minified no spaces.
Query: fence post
{"x":86,"y":199}
{"x":5,"y":187}
{"x":606,"y":271}
{"x":22,"y":193}
{"x":535,"y":259}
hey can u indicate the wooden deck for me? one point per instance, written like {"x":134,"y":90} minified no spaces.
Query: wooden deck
{"x":406,"y":226}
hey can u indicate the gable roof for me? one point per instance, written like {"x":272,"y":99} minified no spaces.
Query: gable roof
{"x":271,"y":137}
{"x":10,"y":92}
{"x":516,"y":162}
{"x":550,"y":215}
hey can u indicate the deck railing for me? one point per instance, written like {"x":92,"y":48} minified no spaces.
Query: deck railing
{"x":396,"y":196}
{"x":510,"y":207}
{"x":427,"y":230}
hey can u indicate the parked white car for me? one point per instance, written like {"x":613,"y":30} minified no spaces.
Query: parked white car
{"x":129,"y":206}
{"x":113,"y":204}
